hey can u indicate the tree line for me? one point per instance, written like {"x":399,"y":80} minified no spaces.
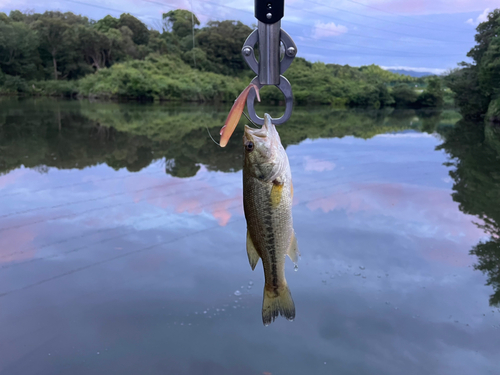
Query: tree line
{"x":46,"y":133}
{"x":64,"y":54}
{"x":476,"y":85}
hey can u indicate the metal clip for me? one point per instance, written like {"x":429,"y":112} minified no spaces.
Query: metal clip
{"x":269,"y":68}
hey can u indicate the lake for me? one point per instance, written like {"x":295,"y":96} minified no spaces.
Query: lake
{"x":122,"y":244}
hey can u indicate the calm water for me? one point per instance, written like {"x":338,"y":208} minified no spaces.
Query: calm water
{"x":122,"y":244}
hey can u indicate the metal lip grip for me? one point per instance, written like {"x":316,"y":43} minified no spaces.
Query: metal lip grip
{"x":269,"y":69}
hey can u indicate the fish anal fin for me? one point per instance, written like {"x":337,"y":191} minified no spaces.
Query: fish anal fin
{"x":293,"y":251}
{"x":277,"y":301}
{"x":276,"y":193}
{"x":253,"y":255}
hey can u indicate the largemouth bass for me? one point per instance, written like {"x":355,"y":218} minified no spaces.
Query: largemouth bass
{"x":267,"y":200}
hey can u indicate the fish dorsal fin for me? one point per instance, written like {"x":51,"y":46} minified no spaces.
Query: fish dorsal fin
{"x":293,"y":250}
{"x":253,"y":255}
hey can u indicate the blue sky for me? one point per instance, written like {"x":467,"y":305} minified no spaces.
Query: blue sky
{"x":430,"y":35}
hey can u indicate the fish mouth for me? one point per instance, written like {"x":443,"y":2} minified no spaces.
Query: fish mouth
{"x":262,"y":132}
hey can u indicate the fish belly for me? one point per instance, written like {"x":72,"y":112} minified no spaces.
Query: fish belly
{"x":269,"y":225}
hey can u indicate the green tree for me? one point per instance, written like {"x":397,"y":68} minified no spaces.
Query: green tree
{"x":140,"y":33}
{"x":94,"y":45}
{"x":18,"y":50}
{"x":180,"y":22}
{"x":107,"y":23}
{"x":433,"y":94}
{"x":17,"y":16}
{"x":222,"y":42}
{"x":476,"y":190}
{"x":52,"y":28}
{"x":404,"y":95}
{"x":477,"y":85}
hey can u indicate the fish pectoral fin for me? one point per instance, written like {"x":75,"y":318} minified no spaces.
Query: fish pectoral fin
{"x":253,"y":255}
{"x":293,"y":250}
{"x":276,"y":193}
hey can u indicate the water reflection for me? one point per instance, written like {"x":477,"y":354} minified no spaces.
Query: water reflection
{"x":68,"y":134}
{"x":475,"y":154}
{"x":104,"y":270}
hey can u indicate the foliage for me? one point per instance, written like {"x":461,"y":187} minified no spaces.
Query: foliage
{"x":18,"y":49}
{"x":161,"y":78}
{"x":132,"y":135}
{"x":121,"y":58}
{"x":222,"y":42}
{"x":474,"y":149}
{"x":477,"y":85}
{"x":180,"y":22}
{"x":140,"y":34}
{"x":13,"y":85}
{"x":433,"y":95}
{"x":404,"y":96}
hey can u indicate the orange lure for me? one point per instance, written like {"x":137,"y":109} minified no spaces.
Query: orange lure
{"x":235,"y":114}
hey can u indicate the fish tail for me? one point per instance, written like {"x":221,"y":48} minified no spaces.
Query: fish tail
{"x":277,"y":301}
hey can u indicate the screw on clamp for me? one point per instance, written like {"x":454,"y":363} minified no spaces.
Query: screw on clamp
{"x":269,"y":68}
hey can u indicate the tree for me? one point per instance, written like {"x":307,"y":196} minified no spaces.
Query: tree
{"x":477,"y":85}
{"x":474,"y":159}
{"x":433,"y":94}
{"x":94,"y":45}
{"x":180,"y":22}
{"x":140,"y":33}
{"x":107,"y":23}
{"x":404,"y":95}
{"x":17,"y":16}
{"x":51,"y":28}
{"x":222,"y":42}
{"x":18,"y":49}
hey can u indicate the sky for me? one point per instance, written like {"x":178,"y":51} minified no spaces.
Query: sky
{"x":419,"y":35}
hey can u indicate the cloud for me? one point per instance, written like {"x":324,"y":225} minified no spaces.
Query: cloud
{"x":422,"y":7}
{"x":325,"y":30}
{"x":317,"y":165}
{"x":483,"y":17}
{"x":426,"y":70}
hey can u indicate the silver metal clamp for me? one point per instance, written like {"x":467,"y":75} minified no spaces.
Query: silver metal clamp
{"x":269,"y":68}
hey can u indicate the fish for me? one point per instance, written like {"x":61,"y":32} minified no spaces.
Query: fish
{"x":267,"y":202}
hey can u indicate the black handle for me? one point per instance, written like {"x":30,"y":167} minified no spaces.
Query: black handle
{"x":269,"y":11}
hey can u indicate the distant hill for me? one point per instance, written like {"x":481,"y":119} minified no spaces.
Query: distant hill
{"x":410,"y":73}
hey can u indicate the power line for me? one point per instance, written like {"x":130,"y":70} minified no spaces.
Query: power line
{"x":378,"y":19}
{"x":324,"y":28}
{"x":393,"y":13}
{"x":372,"y":54}
{"x":377,"y":28}
{"x":401,"y":53}
{"x":374,"y":48}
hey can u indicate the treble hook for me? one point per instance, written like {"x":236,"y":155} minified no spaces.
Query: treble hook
{"x":269,"y":68}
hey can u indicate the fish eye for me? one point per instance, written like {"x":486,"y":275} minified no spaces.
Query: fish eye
{"x":249,"y":146}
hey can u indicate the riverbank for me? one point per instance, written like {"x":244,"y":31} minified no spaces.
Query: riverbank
{"x":167,"y":78}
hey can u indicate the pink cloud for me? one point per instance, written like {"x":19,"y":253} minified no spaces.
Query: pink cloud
{"x":442,"y":233}
{"x":418,"y":7}
{"x":444,"y":251}
{"x":432,"y":208}
{"x":190,"y":196}
{"x":17,"y":244}
{"x":327,"y":30}
{"x":12,"y":177}
{"x":318,"y":165}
